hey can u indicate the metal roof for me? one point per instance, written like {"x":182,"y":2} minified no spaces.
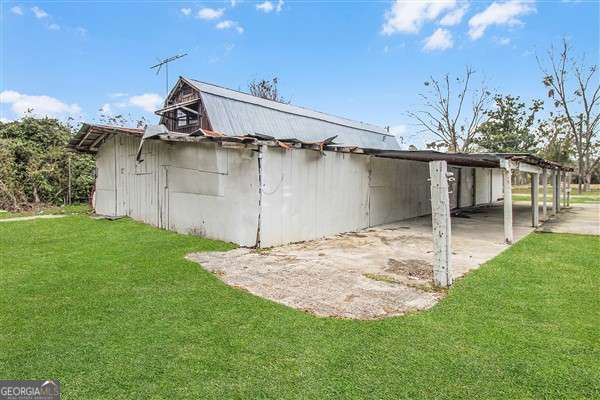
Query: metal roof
{"x":235,"y":113}
{"x":90,"y":137}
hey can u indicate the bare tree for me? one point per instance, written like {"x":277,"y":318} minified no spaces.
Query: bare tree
{"x":266,"y":89}
{"x":575,"y":89}
{"x":452,"y":111}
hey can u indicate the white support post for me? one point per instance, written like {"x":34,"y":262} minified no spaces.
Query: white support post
{"x":440,"y":219}
{"x":569,"y":189}
{"x":564,"y":189}
{"x":535,"y":209}
{"x":507,"y":183}
{"x":557,"y":195}
{"x":545,"y":189}
{"x":554,"y":193}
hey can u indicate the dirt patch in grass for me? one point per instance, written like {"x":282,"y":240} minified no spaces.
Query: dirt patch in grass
{"x":413,"y":268}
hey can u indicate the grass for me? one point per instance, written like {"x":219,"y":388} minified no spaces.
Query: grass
{"x":523,"y":193}
{"x":112,"y":310}
{"x":72,"y":209}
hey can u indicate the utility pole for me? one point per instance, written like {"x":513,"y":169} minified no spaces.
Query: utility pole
{"x":166,"y":62}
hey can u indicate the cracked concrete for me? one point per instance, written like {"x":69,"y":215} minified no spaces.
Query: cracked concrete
{"x":374,"y":273}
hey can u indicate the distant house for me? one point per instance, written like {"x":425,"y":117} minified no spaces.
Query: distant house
{"x":231,"y":166}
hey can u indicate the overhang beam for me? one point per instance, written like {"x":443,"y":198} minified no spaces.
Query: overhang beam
{"x":528,"y":168}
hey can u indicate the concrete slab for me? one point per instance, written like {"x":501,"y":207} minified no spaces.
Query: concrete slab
{"x":579,"y":218}
{"x":374,"y":273}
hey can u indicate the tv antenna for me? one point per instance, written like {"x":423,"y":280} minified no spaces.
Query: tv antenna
{"x":166,"y":62}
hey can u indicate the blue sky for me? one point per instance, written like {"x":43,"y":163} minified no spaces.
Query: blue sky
{"x":366,"y":60}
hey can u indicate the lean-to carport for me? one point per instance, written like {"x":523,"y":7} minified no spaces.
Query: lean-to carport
{"x":509,"y":163}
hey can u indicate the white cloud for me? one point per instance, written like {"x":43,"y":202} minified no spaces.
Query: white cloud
{"x":38,"y":12}
{"x":441,"y":39}
{"x":225,"y":24}
{"x":265,"y":6}
{"x":106,"y":109}
{"x":41,"y":105}
{"x":17,"y":10}
{"x":506,"y":13}
{"x":233,"y":3}
{"x":455,"y":16}
{"x":210,"y":13}
{"x":268,"y":6}
{"x":186,"y":11}
{"x":409,"y":16}
{"x":229,"y":24}
{"x":5,"y":120}
{"x":54,"y":27}
{"x":148,"y":102}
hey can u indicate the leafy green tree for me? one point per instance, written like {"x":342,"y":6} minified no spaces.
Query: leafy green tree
{"x":509,"y":126}
{"x":555,"y":136}
{"x":36,"y":163}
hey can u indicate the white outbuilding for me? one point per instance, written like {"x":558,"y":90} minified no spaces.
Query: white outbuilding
{"x":227,"y":165}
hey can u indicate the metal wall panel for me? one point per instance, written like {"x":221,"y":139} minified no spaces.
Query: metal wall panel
{"x":308,"y":196}
{"x":105,"y":197}
{"x":208,"y":190}
{"x":222,"y":204}
{"x":398,"y":189}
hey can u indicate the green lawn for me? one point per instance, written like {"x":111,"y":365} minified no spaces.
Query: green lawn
{"x":523,"y":193}
{"x":112,"y":310}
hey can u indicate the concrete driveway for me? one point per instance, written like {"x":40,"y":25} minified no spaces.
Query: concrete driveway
{"x":374,"y":273}
{"x":579,"y":218}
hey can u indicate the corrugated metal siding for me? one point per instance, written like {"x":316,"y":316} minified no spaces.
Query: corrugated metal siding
{"x":236,"y":113}
{"x":105,"y":200}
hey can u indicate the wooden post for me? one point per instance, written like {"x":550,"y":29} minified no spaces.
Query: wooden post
{"x":564,"y":188}
{"x":569,"y":189}
{"x":474,"y":194}
{"x":554,"y":203}
{"x":557,"y":190}
{"x":440,"y":219}
{"x":508,"y":223}
{"x":535,"y":209}
{"x":545,"y":189}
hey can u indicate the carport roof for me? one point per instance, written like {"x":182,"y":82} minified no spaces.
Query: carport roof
{"x":487,"y":160}
{"x":90,"y":137}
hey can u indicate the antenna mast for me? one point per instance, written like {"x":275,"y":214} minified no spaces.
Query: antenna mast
{"x":166,"y":62}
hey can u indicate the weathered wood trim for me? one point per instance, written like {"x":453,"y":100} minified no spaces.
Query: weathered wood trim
{"x":98,"y":140}
{"x":85,"y":137}
{"x":528,"y":168}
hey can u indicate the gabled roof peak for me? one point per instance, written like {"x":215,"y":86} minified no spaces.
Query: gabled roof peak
{"x":282,"y":107}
